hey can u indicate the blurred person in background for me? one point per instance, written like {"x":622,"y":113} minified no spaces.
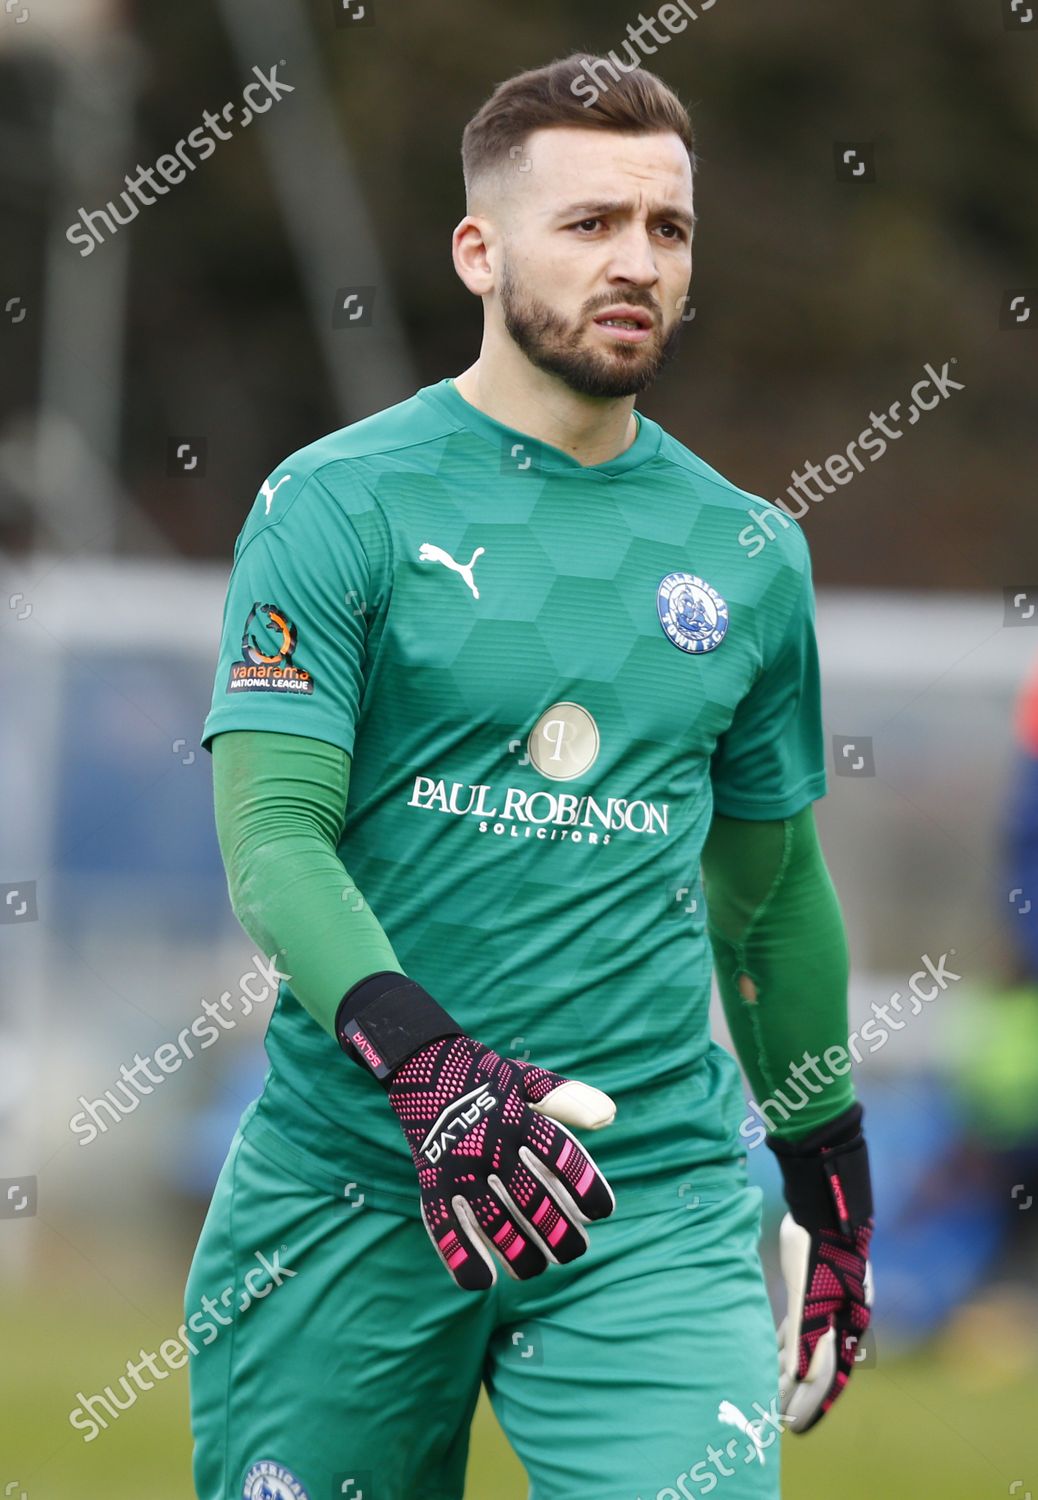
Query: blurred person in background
{"x":977,"y":1181}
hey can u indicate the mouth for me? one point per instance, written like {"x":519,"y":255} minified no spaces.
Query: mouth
{"x":628,"y":325}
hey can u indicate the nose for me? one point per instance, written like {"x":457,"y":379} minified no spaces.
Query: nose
{"x":634,"y":258}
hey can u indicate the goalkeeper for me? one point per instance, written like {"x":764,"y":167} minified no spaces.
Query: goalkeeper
{"x":514,"y":741}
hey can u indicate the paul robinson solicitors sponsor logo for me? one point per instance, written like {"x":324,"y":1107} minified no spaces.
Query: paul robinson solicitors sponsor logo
{"x":541,"y":814}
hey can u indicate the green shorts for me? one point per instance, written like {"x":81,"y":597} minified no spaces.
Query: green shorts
{"x":333,"y":1355}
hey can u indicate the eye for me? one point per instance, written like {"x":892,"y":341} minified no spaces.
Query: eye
{"x":675,"y":231}
{"x":585,"y":223}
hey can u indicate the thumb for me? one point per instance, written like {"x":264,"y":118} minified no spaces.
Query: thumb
{"x":578,"y":1104}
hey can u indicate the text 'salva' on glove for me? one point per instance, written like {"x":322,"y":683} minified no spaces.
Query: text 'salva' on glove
{"x":823,"y":1250}
{"x":500,"y":1175}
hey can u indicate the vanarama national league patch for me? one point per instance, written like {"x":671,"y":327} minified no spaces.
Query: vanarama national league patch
{"x":267,"y":645}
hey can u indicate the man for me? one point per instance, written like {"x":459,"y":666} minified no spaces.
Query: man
{"x":496,"y":673}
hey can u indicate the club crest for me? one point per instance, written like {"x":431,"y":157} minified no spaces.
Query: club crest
{"x":693,"y":615}
{"x":267,"y":1480}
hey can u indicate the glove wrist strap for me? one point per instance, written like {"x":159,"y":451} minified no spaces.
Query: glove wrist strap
{"x":386,"y":1018}
{"x":826,"y":1175}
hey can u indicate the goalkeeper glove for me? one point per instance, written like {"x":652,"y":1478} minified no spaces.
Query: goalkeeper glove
{"x":497,"y":1176}
{"x":823,"y":1250}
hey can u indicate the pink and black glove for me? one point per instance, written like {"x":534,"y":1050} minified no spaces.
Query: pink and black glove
{"x":500,"y":1176}
{"x":823,"y":1250}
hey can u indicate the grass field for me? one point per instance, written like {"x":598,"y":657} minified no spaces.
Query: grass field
{"x":908,"y":1428}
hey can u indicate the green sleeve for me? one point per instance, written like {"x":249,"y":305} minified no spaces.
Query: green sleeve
{"x":280,"y":802}
{"x":770,"y":762}
{"x":780,"y":951}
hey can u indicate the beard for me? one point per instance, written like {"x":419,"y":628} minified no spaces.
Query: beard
{"x":551,"y":344}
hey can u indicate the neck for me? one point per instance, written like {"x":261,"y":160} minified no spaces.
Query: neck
{"x":590,"y":429}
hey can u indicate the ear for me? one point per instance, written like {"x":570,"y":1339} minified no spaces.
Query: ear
{"x":471,"y":245}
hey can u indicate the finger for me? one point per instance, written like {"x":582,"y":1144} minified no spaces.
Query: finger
{"x":575,"y":1179}
{"x":530,"y":1193}
{"x":795,"y":1261}
{"x":464,"y":1254}
{"x":578,"y":1104}
{"x":807,"y":1362}
{"x":851,"y":1323}
{"x":816,"y":1297}
{"x":489,"y":1216}
{"x":564,"y":1099}
{"x":807,"y":1400}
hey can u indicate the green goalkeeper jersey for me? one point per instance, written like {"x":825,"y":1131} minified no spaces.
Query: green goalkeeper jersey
{"x":548,"y":677}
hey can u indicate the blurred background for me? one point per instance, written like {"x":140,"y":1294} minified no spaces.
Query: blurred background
{"x":866,"y":210}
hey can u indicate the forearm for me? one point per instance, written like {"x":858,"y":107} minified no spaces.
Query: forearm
{"x":780,"y":952}
{"x":280,"y":801}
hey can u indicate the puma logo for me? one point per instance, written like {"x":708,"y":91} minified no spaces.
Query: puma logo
{"x":266,"y":490}
{"x":730,"y":1413}
{"x":428,"y":553}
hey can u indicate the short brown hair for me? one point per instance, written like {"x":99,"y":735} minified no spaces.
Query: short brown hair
{"x":633,"y":102}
